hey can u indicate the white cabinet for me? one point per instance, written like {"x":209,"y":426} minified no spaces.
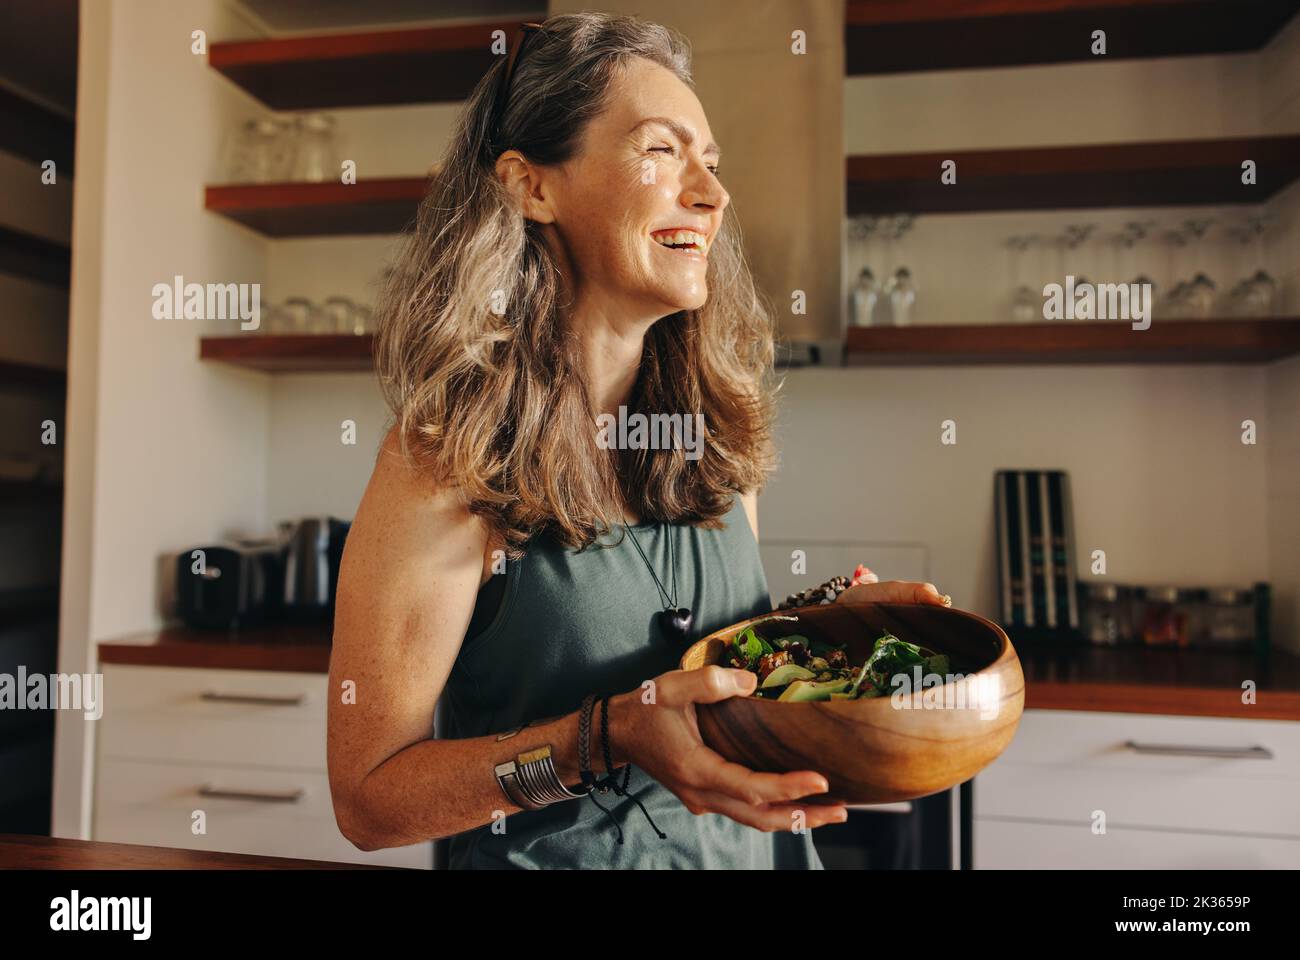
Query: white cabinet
{"x":1175,"y":792}
{"x":245,"y":747}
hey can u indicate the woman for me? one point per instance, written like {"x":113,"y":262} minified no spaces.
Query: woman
{"x":506,"y":553}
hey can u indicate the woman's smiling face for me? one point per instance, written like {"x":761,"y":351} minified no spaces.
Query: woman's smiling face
{"x":646,"y":167}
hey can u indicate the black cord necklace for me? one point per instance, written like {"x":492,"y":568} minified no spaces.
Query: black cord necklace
{"x":675,"y":621}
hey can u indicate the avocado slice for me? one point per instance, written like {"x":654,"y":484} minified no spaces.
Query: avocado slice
{"x":802,"y":691}
{"x":786,"y":673}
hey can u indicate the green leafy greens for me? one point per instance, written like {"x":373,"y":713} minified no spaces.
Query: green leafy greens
{"x":795,"y":669}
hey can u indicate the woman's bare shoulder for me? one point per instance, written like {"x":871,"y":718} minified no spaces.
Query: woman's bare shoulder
{"x":405,"y":517}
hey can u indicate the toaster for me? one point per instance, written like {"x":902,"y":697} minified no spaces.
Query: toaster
{"x":231,"y":584}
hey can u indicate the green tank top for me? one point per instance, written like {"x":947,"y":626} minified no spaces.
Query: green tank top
{"x":572,"y":623}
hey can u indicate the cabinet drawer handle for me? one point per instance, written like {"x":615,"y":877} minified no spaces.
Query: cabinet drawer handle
{"x":268,"y":796}
{"x":1174,"y":750}
{"x":294,"y":700}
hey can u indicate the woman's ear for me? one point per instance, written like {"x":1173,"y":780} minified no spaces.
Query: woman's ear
{"x":525,"y":183}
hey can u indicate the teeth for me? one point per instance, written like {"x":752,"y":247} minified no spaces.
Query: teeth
{"x":680,"y":237}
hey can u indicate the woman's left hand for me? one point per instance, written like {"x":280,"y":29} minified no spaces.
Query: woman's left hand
{"x":894,"y":591}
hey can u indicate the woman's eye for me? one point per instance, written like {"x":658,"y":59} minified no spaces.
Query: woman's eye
{"x":713,"y":169}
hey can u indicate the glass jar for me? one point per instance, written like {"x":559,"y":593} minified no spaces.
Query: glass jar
{"x":263,"y":151}
{"x":1229,"y":618}
{"x":340,"y":313}
{"x":303,"y":316}
{"x":1164,"y":617}
{"x":238,"y":154}
{"x":317,"y":157}
{"x":1107,"y":614}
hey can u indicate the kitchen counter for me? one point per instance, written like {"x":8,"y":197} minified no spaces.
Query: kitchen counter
{"x":1131,"y":679}
{"x":22,"y":852}
{"x":1134,"y":679}
{"x":292,"y":648}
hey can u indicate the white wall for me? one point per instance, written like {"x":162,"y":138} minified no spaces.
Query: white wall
{"x":1161,"y":481}
{"x":163,"y":452}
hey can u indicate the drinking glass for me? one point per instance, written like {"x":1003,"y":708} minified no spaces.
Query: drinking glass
{"x":317,"y":158}
{"x":303,"y":316}
{"x":340,"y":313}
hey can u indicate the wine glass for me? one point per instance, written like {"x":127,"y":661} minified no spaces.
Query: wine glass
{"x":1175,"y":242}
{"x":866,"y":290}
{"x":1201,"y":290}
{"x":1025,"y":306}
{"x":1066,"y":243}
{"x":1255,"y":295}
{"x":900,"y":290}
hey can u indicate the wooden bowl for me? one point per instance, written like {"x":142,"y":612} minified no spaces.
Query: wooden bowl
{"x":899,"y":747}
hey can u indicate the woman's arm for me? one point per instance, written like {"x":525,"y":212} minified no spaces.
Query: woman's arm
{"x":411,"y":569}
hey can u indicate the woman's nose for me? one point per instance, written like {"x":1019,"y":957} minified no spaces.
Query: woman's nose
{"x":702,"y":189}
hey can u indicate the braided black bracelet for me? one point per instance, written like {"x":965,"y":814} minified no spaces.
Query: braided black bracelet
{"x":607,"y":753}
{"x":584,"y":743}
{"x":627,"y":769}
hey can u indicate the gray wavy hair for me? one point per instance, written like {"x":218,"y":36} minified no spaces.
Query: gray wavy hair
{"x":472,"y":351}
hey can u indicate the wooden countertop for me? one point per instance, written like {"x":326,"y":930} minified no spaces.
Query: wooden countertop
{"x":292,"y":648}
{"x":1130,"y":679}
{"x":1134,"y":679}
{"x":23,"y":852}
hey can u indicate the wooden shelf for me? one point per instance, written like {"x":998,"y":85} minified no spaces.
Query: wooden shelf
{"x":887,"y":36}
{"x":1165,"y":173}
{"x":291,"y":353}
{"x":16,"y":372}
{"x":35,"y":258}
{"x":377,"y":206}
{"x":36,"y":133}
{"x":442,"y":64}
{"x":30,"y":491}
{"x":27,"y":605}
{"x":1168,"y":341}
{"x":426,"y":65}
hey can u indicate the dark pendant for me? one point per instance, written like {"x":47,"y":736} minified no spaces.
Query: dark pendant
{"x":676,"y":622}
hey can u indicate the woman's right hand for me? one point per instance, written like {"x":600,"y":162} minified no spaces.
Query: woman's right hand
{"x":663,"y":739}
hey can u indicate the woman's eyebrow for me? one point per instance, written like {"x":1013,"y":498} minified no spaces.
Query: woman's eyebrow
{"x":679,"y":130}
